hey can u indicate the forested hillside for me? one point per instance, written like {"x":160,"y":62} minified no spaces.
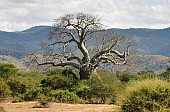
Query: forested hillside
{"x":18,"y":44}
{"x":148,"y":41}
{"x":152,"y":44}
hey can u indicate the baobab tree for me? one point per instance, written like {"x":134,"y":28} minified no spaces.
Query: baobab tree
{"x":81,"y":41}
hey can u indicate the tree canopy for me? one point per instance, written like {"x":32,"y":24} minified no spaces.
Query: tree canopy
{"x":7,"y":69}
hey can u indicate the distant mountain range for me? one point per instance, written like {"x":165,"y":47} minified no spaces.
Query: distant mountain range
{"x":18,"y":44}
{"x":148,"y":41}
{"x":152,"y":44}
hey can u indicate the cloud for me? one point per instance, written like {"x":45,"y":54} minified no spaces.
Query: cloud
{"x":21,"y":14}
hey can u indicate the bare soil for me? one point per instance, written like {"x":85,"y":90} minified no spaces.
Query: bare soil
{"x":58,"y":107}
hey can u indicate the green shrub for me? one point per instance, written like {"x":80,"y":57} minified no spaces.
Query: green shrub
{"x":126,"y":76}
{"x":64,"y":96}
{"x":57,"y":82}
{"x":67,"y":71}
{"x":16,"y":86}
{"x":147,"y":75}
{"x":7,"y":70}
{"x":32,"y":77}
{"x":103,"y":87}
{"x":4,"y":89}
{"x":82,"y":89}
{"x":23,"y":82}
{"x":147,"y":95}
{"x":70,"y":73}
{"x":55,"y":71}
{"x":166,"y":75}
{"x":32,"y":94}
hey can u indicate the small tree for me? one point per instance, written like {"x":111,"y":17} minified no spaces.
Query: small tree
{"x":16,"y":86}
{"x":81,"y":41}
{"x":4,"y":89}
{"x":7,"y":69}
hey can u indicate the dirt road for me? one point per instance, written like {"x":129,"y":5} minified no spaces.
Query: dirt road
{"x":58,"y":107}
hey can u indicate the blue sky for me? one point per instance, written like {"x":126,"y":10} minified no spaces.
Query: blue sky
{"x":16,"y":15}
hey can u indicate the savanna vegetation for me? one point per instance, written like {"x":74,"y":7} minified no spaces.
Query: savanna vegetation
{"x":74,"y":76}
{"x":137,"y":92}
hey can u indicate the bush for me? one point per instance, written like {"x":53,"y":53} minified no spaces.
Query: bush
{"x":55,"y":71}
{"x":16,"y":86}
{"x":147,"y":75}
{"x":126,"y":76}
{"x":4,"y":89}
{"x":147,"y":95}
{"x":100,"y":88}
{"x":7,"y":70}
{"x":23,"y":82}
{"x":32,"y":94}
{"x":31,"y":77}
{"x":64,"y":96}
{"x":166,"y":75}
{"x":82,"y":89}
{"x":104,"y":89}
{"x":57,"y":82}
{"x":70,"y":73}
{"x":66,"y":71}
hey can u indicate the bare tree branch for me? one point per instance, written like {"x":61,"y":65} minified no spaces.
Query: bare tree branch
{"x":85,"y":44}
{"x":61,"y":64}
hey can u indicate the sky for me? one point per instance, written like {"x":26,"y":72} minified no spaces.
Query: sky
{"x":17,"y":15}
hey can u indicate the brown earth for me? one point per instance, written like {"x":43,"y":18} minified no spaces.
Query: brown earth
{"x":58,"y":107}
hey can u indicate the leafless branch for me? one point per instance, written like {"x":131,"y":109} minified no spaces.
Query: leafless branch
{"x":75,"y":33}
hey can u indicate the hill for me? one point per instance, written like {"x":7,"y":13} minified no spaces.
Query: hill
{"x":18,"y":44}
{"x":148,"y":41}
{"x":152,"y":44}
{"x":156,"y":63}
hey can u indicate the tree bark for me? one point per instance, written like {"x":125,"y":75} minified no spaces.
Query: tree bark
{"x":85,"y":73}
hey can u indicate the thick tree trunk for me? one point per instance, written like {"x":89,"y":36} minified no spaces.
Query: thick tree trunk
{"x":85,"y":73}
